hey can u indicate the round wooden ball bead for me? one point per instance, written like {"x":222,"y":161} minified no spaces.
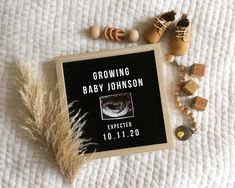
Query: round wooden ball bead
{"x":177,"y":98}
{"x":190,"y":115}
{"x":182,"y":74}
{"x":182,"y":67}
{"x":185,"y":77}
{"x":169,"y":58}
{"x":178,"y":87}
{"x":94,"y":31}
{"x":133,"y":35}
{"x":177,"y":93}
{"x":194,"y":125}
{"x":187,"y":111}
{"x":179,"y":104}
{"x":181,"y":108}
{"x":193,"y":119}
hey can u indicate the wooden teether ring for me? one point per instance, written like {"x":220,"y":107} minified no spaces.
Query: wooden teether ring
{"x":114,"y":34}
{"x":106,"y":33}
{"x":111,"y":35}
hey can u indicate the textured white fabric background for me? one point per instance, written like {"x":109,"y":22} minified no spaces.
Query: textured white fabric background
{"x":36,"y":31}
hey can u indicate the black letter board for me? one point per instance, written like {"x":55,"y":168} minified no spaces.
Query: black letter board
{"x":123,"y":94}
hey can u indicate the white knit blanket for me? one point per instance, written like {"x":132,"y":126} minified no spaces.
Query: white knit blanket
{"x":35,"y":31}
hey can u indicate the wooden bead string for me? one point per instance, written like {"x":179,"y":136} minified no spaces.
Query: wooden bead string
{"x":185,"y":110}
{"x":198,"y":103}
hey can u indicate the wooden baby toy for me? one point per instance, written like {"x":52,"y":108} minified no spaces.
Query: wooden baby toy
{"x":199,"y":103}
{"x":190,"y":87}
{"x":114,"y":34}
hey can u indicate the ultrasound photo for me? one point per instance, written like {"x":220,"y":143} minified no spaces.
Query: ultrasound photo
{"x":117,"y":106}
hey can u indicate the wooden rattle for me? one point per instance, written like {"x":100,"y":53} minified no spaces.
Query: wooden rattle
{"x":114,"y":34}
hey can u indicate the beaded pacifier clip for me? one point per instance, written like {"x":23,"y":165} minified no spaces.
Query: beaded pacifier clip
{"x":189,"y":87}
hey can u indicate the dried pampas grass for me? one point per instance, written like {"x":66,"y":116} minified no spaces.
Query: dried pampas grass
{"x":46,"y":122}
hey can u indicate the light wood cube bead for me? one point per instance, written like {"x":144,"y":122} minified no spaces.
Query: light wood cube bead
{"x":199,"y":103}
{"x":197,"y":70}
{"x":190,"y":87}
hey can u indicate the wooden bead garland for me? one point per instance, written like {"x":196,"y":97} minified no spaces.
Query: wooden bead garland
{"x":199,"y":103}
{"x":184,"y":132}
{"x":169,"y":58}
{"x":188,"y":86}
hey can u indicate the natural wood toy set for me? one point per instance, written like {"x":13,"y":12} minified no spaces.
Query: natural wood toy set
{"x":178,"y":46}
{"x":113,"y":102}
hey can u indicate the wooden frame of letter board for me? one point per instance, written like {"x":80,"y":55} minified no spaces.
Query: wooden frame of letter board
{"x":158,"y":58}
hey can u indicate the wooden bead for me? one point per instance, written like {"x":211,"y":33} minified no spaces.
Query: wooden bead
{"x":178,"y":87}
{"x":133,"y":35}
{"x":182,"y":74}
{"x":169,"y":58}
{"x":181,"y":67}
{"x":187,"y":111}
{"x":197,"y":70}
{"x":94,"y":31}
{"x":185,"y":78}
{"x":193,"y":119}
{"x":177,"y":93}
{"x":199,"y":103}
{"x":190,"y":115}
{"x":181,"y":108}
{"x":178,"y":104}
{"x":190,"y":87}
{"x":194,"y":125}
{"x":177,"y":98}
